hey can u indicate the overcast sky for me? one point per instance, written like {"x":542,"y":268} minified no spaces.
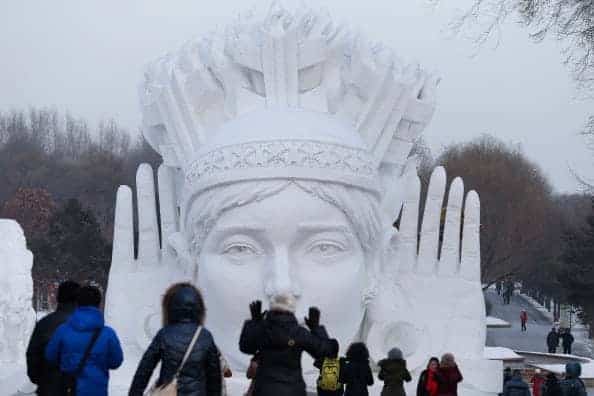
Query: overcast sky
{"x":87,"y":57}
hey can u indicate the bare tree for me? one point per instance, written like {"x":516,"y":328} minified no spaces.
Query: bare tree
{"x":516,"y":205}
{"x":569,"y":21}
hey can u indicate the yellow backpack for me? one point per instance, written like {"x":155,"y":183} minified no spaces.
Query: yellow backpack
{"x":329,"y":375}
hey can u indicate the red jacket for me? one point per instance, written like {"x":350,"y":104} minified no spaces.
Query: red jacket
{"x":537,"y":382}
{"x":524,"y":316}
{"x":450,"y":377}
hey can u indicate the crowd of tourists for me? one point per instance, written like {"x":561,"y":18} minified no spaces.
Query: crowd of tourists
{"x":72,"y":350}
{"x":549,"y":385}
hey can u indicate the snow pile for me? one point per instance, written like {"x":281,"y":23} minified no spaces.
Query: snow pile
{"x":500,"y":353}
{"x":493,"y":322}
{"x":17,"y":317}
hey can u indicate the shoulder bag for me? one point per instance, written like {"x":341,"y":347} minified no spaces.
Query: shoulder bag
{"x":170,"y":389}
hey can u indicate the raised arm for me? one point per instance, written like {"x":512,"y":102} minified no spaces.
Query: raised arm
{"x":253,"y":330}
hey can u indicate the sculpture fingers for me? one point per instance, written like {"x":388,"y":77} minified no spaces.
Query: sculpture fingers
{"x":470,"y":266}
{"x":148,"y":229}
{"x":406,"y":246}
{"x":123,"y":233}
{"x":427,"y":260}
{"x":167,"y":208}
{"x":449,"y":260}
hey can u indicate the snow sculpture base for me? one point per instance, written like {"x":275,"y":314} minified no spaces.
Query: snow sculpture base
{"x":17,"y":316}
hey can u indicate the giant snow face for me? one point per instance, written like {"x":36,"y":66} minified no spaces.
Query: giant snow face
{"x":290,"y":243}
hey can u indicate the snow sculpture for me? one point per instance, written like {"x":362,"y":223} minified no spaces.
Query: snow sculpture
{"x":285,"y":145}
{"x":17,"y":316}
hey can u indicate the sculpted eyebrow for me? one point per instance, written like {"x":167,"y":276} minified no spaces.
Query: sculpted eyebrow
{"x":324,"y":227}
{"x":239,"y":229}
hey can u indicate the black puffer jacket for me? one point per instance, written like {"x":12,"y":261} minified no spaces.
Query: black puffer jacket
{"x":356,"y":377}
{"x":280,"y":341}
{"x":46,"y":376}
{"x":201,"y":375}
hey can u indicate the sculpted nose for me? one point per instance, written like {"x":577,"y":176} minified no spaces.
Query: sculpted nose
{"x":281,"y":280}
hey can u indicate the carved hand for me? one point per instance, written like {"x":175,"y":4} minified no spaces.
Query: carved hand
{"x":436,"y":297}
{"x":137,"y":284}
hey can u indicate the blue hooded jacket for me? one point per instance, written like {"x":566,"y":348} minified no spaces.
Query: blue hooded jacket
{"x":69,"y":343}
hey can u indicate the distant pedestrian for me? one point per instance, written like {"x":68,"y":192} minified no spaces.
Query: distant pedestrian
{"x":551,"y":386}
{"x":507,"y":374}
{"x":553,"y":340}
{"x":567,"y":340}
{"x":47,"y":376}
{"x":394,"y":373}
{"x":429,"y":379}
{"x":356,"y":373}
{"x":516,"y":386}
{"x":330,"y":369}
{"x":573,"y":385}
{"x":537,"y":382}
{"x":498,"y":288}
{"x":450,"y":376}
{"x":84,"y":348}
{"x":524,"y":319}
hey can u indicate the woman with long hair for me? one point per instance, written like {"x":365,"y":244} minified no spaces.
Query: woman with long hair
{"x":430,"y":379}
{"x":183,"y":317}
{"x":356,"y":373}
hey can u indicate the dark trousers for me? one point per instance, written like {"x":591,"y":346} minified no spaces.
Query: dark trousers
{"x":524,"y":326}
{"x":552,"y":349}
{"x":567,"y":349}
{"x":330,"y":393}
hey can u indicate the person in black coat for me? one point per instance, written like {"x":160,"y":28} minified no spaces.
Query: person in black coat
{"x":183,"y":311}
{"x":567,"y":341}
{"x":280,"y":342}
{"x":356,"y":374}
{"x":47,"y":376}
{"x":553,"y":340}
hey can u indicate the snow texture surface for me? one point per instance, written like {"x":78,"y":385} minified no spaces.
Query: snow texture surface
{"x":17,"y":316}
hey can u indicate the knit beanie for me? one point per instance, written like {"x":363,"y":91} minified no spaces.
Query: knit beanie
{"x":395,"y":354}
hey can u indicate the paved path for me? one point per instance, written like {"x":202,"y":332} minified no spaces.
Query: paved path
{"x":538,"y":325}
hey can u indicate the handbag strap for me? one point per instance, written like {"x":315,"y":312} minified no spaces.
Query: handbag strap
{"x":189,"y":350}
{"x":87,"y":353}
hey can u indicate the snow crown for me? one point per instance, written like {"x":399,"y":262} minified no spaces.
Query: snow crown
{"x":285,"y":95}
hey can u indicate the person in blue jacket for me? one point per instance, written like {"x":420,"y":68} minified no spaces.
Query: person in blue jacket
{"x":68,"y":344}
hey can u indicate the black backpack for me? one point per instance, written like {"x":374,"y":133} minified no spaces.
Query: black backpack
{"x":552,"y":387}
{"x":577,"y":388}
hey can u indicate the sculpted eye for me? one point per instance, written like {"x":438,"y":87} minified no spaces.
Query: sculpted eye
{"x":240,"y":250}
{"x":326,"y":248}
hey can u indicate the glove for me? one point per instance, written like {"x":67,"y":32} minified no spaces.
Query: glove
{"x":256,"y":310}
{"x":313,"y":320}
